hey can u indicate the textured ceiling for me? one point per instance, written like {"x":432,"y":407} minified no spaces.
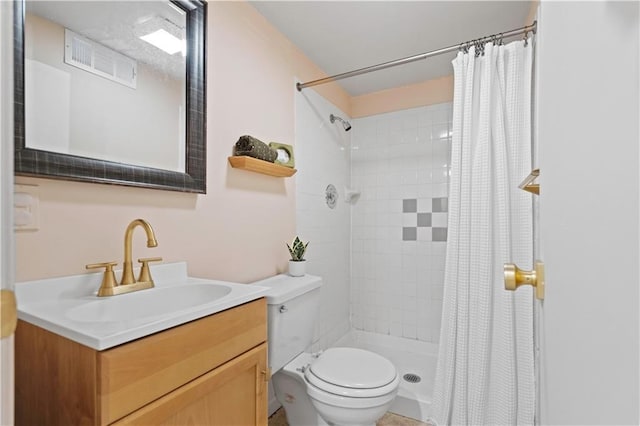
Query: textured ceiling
{"x":341,"y":36}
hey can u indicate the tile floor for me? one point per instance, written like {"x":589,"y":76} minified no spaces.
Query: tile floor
{"x":279,"y":419}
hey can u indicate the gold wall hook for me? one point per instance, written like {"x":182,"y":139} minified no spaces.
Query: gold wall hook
{"x":528,"y":185}
{"x":515,"y":277}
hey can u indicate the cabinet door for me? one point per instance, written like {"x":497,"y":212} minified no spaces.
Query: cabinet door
{"x":232,"y":394}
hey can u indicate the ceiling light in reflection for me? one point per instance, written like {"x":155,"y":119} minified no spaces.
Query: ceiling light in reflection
{"x":165,"y":41}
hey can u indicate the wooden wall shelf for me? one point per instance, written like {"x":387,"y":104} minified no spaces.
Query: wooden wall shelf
{"x":259,"y":166}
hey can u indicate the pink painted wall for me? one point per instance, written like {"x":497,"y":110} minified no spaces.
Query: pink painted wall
{"x":428,"y":92}
{"x":238,"y":230}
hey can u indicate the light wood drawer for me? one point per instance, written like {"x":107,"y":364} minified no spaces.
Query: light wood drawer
{"x":233,"y":394}
{"x":134,"y":374}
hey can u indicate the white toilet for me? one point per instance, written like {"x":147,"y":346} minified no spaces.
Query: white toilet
{"x":340,"y":386}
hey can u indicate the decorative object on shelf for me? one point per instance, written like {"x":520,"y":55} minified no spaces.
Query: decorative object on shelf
{"x":331,"y":196}
{"x":252,"y":147}
{"x":259,"y":166}
{"x":297,"y":262}
{"x":351,"y":196}
{"x":285,"y":154}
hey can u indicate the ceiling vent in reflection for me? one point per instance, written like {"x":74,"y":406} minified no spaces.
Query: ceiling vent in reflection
{"x":98,"y":59}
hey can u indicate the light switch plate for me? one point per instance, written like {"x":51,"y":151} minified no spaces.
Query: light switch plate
{"x":26,"y":211}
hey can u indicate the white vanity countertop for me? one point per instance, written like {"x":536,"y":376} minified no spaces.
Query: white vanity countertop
{"x":70,"y":307}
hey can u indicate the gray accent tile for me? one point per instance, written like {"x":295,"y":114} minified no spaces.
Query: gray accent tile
{"x":439,"y":234}
{"x":409,"y":205}
{"x":409,"y":234}
{"x":424,"y":219}
{"x":440,"y":205}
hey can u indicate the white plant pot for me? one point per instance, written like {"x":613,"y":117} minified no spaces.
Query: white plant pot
{"x":297,"y":268}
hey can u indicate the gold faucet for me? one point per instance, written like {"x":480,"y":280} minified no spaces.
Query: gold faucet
{"x":127,"y":271}
{"x":128,"y":283}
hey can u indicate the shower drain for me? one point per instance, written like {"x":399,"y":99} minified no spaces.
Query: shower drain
{"x":411,"y":378}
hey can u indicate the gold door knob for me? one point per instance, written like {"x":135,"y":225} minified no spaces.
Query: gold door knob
{"x":514,"y":277}
{"x":8,"y":313}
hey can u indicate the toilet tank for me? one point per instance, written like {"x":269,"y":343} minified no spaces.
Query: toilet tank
{"x":292,"y":311}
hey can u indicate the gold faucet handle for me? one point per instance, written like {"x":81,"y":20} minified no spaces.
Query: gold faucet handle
{"x":108,"y":278}
{"x":145,"y":272}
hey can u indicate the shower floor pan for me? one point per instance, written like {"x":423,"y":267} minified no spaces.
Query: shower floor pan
{"x":412,"y":358}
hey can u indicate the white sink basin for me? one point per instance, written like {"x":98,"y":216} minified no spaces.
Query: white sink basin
{"x":69,"y":306}
{"x":143,"y":304}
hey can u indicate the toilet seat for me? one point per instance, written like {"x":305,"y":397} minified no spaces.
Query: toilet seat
{"x":353,"y":373}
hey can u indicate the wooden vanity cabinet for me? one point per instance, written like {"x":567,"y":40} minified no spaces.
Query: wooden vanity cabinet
{"x":212,"y":371}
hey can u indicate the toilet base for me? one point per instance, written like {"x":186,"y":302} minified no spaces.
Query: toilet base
{"x":291,"y":391}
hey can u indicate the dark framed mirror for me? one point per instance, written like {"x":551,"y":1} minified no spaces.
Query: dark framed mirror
{"x":50,"y":114}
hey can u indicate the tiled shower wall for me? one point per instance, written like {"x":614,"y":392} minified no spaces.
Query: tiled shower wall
{"x":322,"y":159}
{"x":400,"y":162}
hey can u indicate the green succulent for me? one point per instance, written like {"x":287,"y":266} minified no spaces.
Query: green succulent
{"x":297,"y":249}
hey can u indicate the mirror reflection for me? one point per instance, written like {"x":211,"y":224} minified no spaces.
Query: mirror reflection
{"x":106,"y":80}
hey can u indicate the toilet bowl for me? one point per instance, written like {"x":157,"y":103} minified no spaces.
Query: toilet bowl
{"x":340,"y":386}
{"x":349,"y":386}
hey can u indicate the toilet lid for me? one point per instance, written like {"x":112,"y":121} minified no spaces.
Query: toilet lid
{"x":352,"y":368}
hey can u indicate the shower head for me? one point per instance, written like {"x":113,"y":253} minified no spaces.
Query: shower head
{"x":345,"y":123}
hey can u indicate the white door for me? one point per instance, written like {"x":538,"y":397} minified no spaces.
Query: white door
{"x":6,"y":206}
{"x":588,"y":119}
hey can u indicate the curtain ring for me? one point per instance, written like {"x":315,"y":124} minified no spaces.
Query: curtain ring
{"x":479,"y":47}
{"x":526,"y":41}
{"x":501,"y":42}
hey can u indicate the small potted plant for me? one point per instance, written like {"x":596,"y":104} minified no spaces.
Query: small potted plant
{"x":296,"y":264}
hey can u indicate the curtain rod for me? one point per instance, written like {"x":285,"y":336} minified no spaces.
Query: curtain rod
{"x":524,"y":30}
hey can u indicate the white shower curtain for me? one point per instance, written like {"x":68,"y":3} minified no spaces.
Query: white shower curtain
{"x":485,"y":373}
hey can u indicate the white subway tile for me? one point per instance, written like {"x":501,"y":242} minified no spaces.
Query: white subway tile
{"x":409,"y":331}
{"x":440,"y":190}
{"x":424,"y":175}
{"x":382,"y":327}
{"x":437,"y":293}
{"x":396,"y":329}
{"x":424,"y":135}
{"x":439,"y":131}
{"x":440,"y":175}
{"x":425,"y":205}
{"x":439,"y":220}
{"x":410,"y":134}
{"x":369,"y":324}
{"x":410,"y":219}
{"x":423,"y":333}
{"x":424,"y":234}
{"x":440,"y":116}
{"x":439,"y":248}
{"x":408,"y":191}
{"x":426,"y":190}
